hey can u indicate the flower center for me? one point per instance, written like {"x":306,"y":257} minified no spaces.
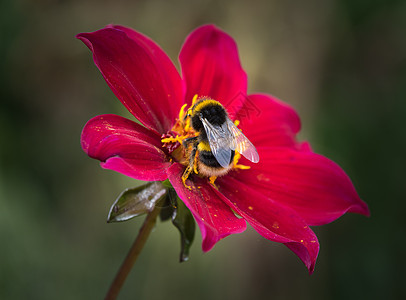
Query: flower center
{"x":184,"y":144}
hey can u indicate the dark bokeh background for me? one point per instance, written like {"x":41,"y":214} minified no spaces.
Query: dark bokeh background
{"x":340,"y":63}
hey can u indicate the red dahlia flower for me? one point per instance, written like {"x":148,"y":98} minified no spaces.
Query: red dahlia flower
{"x":290,"y":189}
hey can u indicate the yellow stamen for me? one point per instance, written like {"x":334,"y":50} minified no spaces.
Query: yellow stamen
{"x":236,"y":123}
{"x":178,"y":139}
{"x":194,"y":99}
{"x":237,"y":157}
{"x":187,"y":125}
{"x":170,"y":140}
{"x":182,"y":112}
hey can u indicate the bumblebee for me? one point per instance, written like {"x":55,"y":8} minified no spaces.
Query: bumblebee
{"x":211,"y":152}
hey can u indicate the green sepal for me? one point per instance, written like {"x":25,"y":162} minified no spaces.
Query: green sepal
{"x":136,"y":201}
{"x":167,"y":209}
{"x":183,"y":220}
{"x":167,"y":184}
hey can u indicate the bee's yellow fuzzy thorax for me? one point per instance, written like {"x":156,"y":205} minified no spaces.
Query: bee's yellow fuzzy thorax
{"x":202,"y":103}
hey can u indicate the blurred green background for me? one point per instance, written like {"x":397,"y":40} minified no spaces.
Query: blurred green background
{"x":340,"y":63}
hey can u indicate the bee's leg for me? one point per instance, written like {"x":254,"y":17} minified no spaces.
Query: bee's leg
{"x":186,"y":175}
{"x":211,"y":180}
{"x":193,"y":157}
{"x":190,"y":168}
{"x":195,"y":164}
{"x":187,"y":141}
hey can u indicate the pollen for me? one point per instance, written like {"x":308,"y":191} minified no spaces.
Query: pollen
{"x":275,"y":225}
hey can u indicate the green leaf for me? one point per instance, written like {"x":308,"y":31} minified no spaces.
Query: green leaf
{"x":183,"y":220}
{"x":136,"y":201}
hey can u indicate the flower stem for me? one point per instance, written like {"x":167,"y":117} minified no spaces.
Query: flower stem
{"x":133,"y":254}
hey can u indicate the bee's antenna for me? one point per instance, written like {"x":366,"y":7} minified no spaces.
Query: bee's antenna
{"x":186,"y":115}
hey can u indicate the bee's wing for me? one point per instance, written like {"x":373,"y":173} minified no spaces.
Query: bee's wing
{"x":242,"y":144}
{"x":220,"y":140}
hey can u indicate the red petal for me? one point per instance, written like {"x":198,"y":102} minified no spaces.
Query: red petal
{"x":272,"y":220}
{"x":214,"y":217}
{"x":126,"y":147}
{"x":139,"y":73}
{"x":314,"y":186}
{"x":211,"y":65}
{"x":267,"y":121}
